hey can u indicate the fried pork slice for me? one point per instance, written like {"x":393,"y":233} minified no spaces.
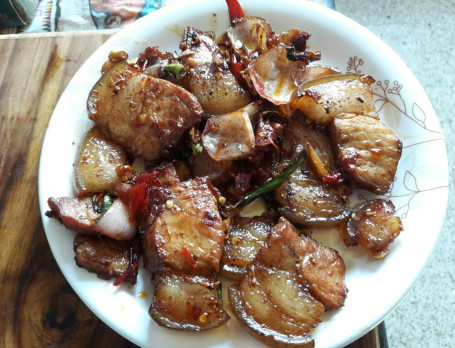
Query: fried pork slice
{"x":98,"y":164}
{"x":76,"y":214}
{"x":246,"y":237}
{"x":322,"y":272}
{"x":321,"y":269}
{"x":161,"y":176}
{"x":108,"y":258}
{"x":209,"y":77}
{"x":367,"y":150}
{"x":274,"y":308}
{"x":374,"y":225}
{"x":305,"y":199}
{"x":322,"y":99}
{"x":308,"y":196}
{"x":204,"y":165}
{"x":270,"y":301}
{"x":299,"y":135}
{"x":187,"y":303}
{"x":187,"y":235}
{"x":146,"y":115}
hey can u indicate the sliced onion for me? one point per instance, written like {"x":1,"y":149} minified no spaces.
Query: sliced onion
{"x":274,"y":76}
{"x":229,"y":136}
{"x":248,"y":36}
{"x":115,"y":223}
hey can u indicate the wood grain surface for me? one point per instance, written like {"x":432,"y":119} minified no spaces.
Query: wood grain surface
{"x":38,"y":308}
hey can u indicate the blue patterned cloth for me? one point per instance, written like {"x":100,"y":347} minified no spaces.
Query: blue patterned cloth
{"x":108,"y":14}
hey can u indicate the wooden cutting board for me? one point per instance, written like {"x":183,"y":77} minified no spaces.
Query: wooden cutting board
{"x":37,"y":306}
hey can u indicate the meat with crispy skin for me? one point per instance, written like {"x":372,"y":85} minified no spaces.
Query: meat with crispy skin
{"x":107,"y":257}
{"x":322,"y":99}
{"x":98,"y":165}
{"x":297,"y":133}
{"x":374,"y":225}
{"x":187,"y":235}
{"x":322,"y":271}
{"x":187,"y":303}
{"x":146,"y":115}
{"x":76,"y":214}
{"x":270,"y":300}
{"x":246,"y":237}
{"x":305,"y":199}
{"x":209,"y":77}
{"x":367,"y":150}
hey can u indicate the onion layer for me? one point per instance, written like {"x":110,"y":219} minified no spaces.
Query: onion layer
{"x":116,"y":223}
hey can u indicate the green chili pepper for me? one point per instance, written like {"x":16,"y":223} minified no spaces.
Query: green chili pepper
{"x":219,"y":290}
{"x":107,"y":202}
{"x":177,"y":71}
{"x":270,"y":113}
{"x":197,"y":149}
{"x":102,"y":202}
{"x":273,"y":183}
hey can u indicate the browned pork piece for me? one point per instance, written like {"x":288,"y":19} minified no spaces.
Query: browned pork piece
{"x":209,"y":77}
{"x":100,"y":164}
{"x":368,"y":151}
{"x":204,"y":165}
{"x":107,"y":257}
{"x":246,"y":237}
{"x":304,"y":199}
{"x":321,"y":269}
{"x":187,"y":235}
{"x":187,"y":303}
{"x":275,"y":299}
{"x":274,"y":308}
{"x":298,"y":133}
{"x":146,"y":115}
{"x":323,"y":98}
{"x":322,"y":272}
{"x":374,"y":225}
{"x":76,"y":214}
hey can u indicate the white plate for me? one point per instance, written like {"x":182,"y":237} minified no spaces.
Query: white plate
{"x":419,"y":193}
